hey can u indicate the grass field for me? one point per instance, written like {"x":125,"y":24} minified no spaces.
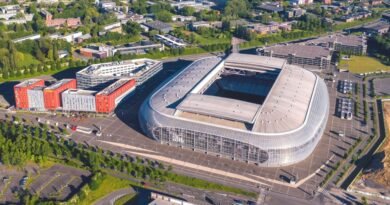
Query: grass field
{"x":363,"y":64}
{"x":108,"y":185}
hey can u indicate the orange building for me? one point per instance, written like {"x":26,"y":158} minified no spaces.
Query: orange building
{"x":20,"y":92}
{"x":327,"y":1}
{"x":110,"y":97}
{"x":52,"y":94}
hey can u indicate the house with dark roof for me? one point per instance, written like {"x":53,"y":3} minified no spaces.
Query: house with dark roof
{"x":156,"y":25}
{"x":272,"y":7}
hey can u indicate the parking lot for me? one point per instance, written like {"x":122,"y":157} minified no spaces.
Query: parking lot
{"x":58,"y":182}
{"x":382,"y":86}
{"x":11,"y":182}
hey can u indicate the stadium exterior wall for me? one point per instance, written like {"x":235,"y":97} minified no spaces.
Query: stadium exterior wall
{"x":263,"y":149}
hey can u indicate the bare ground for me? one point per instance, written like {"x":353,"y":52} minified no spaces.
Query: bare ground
{"x":382,"y":176}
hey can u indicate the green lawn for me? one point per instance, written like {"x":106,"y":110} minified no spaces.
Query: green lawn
{"x":206,"y":40}
{"x":363,"y":64}
{"x":207,"y":185}
{"x":108,"y":185}
{"x":26,"y":59}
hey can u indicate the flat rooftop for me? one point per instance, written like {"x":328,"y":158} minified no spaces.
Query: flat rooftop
{"x":304,"y":51}
{"x":105,"y":69}
{"x":79,"y":92}
{"x":38,"y":88}
{"x":28,"y":82}
{"x":114,"y":86}
{"x":59,"y":84}
{"x":351,"y":40}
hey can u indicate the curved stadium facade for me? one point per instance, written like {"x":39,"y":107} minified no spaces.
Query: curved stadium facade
{"x":249,"y":108}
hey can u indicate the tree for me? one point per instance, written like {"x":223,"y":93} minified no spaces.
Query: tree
{"x":225,"y":25}
{"x":243,"y":32}
{"x":40,"y":56}
{"x":55,"y":51}
{"x":132,"y":28}
{"x":164,"y":16}
{"x":5,"y":73}
{"x":236,"y":8}
{"x":187,"y":11}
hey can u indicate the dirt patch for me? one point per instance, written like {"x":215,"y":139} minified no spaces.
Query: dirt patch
{"x":382,"y":175}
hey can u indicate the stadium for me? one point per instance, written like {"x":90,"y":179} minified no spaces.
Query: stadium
{"x":249,"y":108}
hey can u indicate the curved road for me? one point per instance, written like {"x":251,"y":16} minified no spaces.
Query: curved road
{"x":113,"y":196}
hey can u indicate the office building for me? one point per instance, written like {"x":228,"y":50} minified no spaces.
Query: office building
{"x":302,"y":55}
{"x":98,"y":76}
{"x":77,"y":100}
{"x":52,"y":94}
{"x":20,"y":92}
{"x":110,"y":97}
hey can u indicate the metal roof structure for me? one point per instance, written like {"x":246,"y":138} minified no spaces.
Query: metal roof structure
{"x":284,"y":109}
{"x":27,"y":83}
{"x":286,"y":106}
{"x":111,"y":88}
{"x":79,"y":92}
{"x":58,"y":84}
{"x":225,"y":108}
{"x":304,"y":51}
{"x":279,"y":131}
{"x":130,"y":67}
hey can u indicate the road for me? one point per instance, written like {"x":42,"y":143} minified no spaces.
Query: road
{"x":112,"y":197}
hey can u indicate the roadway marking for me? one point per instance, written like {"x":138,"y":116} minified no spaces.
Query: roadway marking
{"x":126,"y":146}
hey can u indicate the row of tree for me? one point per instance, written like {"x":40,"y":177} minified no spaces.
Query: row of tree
{"x":380,"y":47}
{"x":22,"y":143}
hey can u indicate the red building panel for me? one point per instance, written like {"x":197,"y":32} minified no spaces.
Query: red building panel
{"x":52,"y":94}
{"x":86,"y":52}
{"x":107,"y":99}
{"x":20,"y":92}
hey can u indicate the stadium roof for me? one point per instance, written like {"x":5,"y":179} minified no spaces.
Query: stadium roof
{"x":286,"y":105}
{"x":284,"y":109}
{"x":231,"y":109}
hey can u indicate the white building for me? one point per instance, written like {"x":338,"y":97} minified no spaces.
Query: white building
{"x":300,"y":2}
{"x":68,"y":38}
{"x":9,"y":11}
{"x":114,"y":27}
{"x":79,"y":100}
{"x":35,"y":98}
{"x":183,"y":18}
{"x":171,"y":41}
{"x":47,"y":1}
{"x":198,"y":5}
{"x":30,"y":37}
{"x":107,"y":5}
{"x":99,"y":75}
